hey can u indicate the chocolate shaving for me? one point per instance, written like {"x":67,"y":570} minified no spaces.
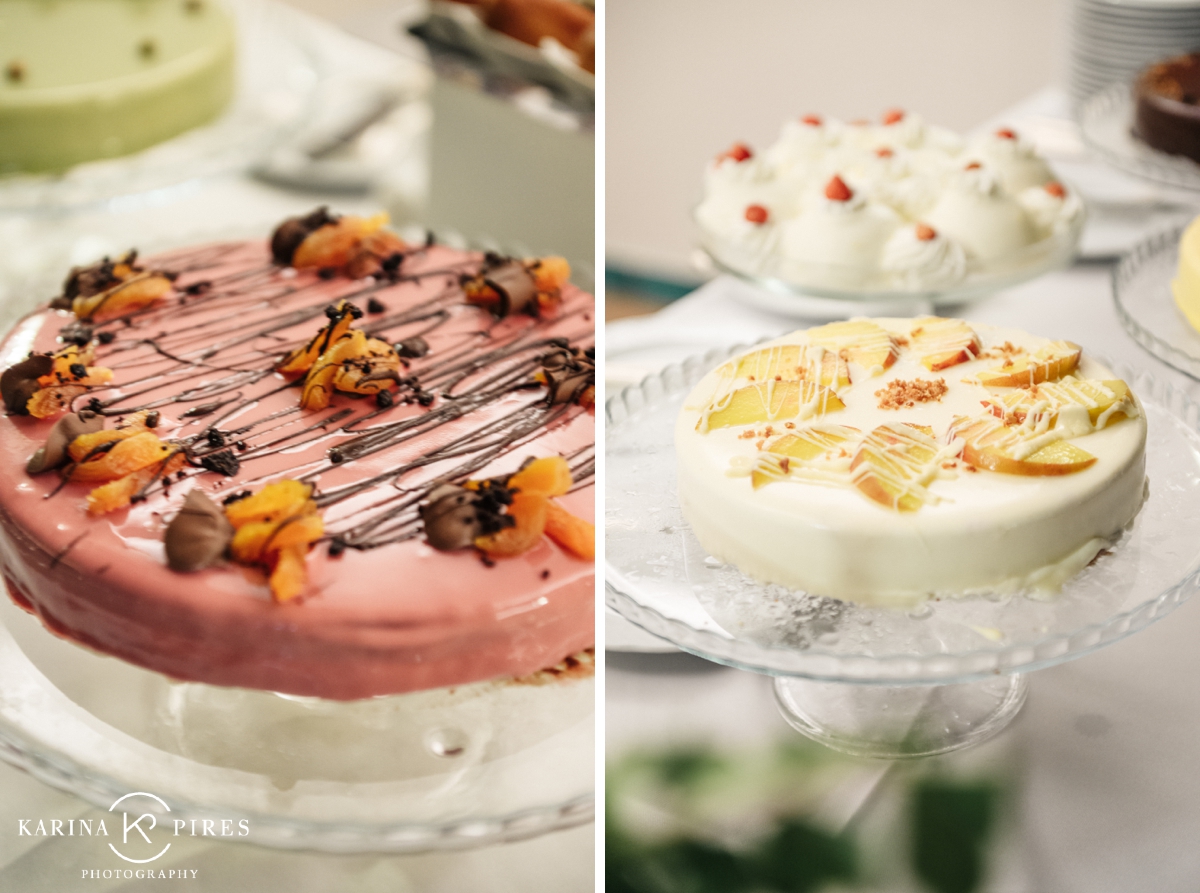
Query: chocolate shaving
{"x":198,"y":536}
{"x":223,"y":462}
{"x":76,"y":332}
{"x":54,"y":453}
{"x":19,"y":382}
{"x":289,"y":234}
{"x":569,"y":372}
{"x":411,"y":348}
{"x":516,"y":287}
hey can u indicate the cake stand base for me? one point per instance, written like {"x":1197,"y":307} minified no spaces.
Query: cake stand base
{"x":899,"y":721}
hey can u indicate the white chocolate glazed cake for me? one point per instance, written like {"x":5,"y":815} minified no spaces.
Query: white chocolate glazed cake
{"x":888,"y":460}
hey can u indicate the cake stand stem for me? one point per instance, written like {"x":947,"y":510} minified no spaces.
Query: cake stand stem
{"x":899,"y":722}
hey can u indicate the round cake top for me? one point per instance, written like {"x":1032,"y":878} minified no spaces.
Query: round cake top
{"x":58,"y":52}
{"x":929,"y":422}
{"x":264,"y":452}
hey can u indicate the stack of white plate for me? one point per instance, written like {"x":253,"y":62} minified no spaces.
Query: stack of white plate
{"x":1112,"y":40}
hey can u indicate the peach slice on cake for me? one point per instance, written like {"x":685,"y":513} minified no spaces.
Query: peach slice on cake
{"x":768,"y":402}
{"x":820,"y":448}
{"x":1076,"y":405}
{"x":995,"y":446}
{"x":894,"y":464}
{"x":862,"y":341}
{"x":1049,"y":363}
{"x":943,"y":343}
{"x":792,"y":362}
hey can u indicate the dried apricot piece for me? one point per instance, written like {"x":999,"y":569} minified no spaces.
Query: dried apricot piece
{"x":299,"y":361}
{"x":255,"y":543}
{"x":51,"y":401}
{"x":550,"y":273}
{"x":119,"y":493}
{"x":289,"y":576}
{"x":137,"y":291}
{"x":85,"y":445}
{"x":549,"y":476}
{"x":273,"y":502}
{"x":126,"y":456}
{"x":373,"y":371}
{"x":571,"y":532}
{"x":336,"y":244}
{"x":529,"y":512}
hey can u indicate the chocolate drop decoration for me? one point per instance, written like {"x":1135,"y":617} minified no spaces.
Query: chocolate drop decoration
{"x":19,"y":382}
{"x":516,"y":287}
{"x":53,"y":454}
{"x":450,"y":518}
{"x":289,"y":234}
{"x":198,"y":536}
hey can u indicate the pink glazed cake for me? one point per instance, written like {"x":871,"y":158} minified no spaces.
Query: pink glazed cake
{"x":480,"y":367}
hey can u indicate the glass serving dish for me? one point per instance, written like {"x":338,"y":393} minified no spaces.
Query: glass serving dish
{"x":278,"y":71}
{"x":1106,"y":124}
{"x":857,"y":286}
{"x":875,"y":681}
{"x":451,"y":768}
{"x":1141,"y":286}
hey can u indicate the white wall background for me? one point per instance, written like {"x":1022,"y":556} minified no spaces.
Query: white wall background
{"x":685,"y":78}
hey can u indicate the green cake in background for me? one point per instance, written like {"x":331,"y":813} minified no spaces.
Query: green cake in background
{"x":88,"y":79}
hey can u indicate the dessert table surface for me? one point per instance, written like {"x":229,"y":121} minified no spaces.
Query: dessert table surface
{"x":1107,"y":773}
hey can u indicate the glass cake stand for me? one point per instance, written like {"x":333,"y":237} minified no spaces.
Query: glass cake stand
{"x":452,"y":768}
{"x":1141,"y":285}
{"x":1105,"y":122}
{"x":874,"y":681}
{"x":814,"y":288}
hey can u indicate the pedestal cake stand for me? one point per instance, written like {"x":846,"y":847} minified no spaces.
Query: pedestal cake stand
{"x":874,"y":681}
{"x":449,"y":768}
{"x":829,"y":291}
{"x":1141,"y":285}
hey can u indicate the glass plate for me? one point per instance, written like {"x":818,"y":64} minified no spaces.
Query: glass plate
{"x":277,"y":75}
{"x":451,"y":768}
{"x":981,"y":280}
{"x":1141,"y":286}
{"x":1105,"y":122}
{"x":658,"y":576}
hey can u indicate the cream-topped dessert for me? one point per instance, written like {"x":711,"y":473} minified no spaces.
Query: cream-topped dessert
{"x":889,"y":460}
{"x":339,"y":465}
{"x":836,"y":193}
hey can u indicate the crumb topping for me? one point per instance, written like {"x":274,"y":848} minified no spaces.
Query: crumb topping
{"x":901,"y":394}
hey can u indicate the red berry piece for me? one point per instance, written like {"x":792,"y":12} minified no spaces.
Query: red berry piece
{"x":757,"y":214}
{"x":1006,"y":133}
{"x":884,"y":152}
{"x":1056,"y":189}
{"x":893,"y":116}
{"x":836,"y":190}
{"x":812,"y":120}
{"x":739,"y":152}
{"x":925,"y":232}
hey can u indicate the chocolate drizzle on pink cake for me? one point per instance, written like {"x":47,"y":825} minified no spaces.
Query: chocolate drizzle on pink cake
{"x":478,"y":393}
